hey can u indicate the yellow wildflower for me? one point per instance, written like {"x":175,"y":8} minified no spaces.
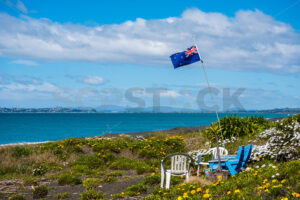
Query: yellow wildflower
{"x":283,"y":181}
{"x":193,"y":192}
{"x":276,"y":169}
{"x":267,"y":190}
{"x":295,"y":194}
{"x":274,"y":181}
{"x":237,"y":191}
{"x":206,"y":196}
{"x":199,"y":189}
{"x":266,"y":180}
{"x":185,"y":195}
{"x":285,"y":198}
{"x":277,"y":186}
{"x":219,"y":177}
{"x":207,"y":191}
{"x":288,"y":187}
{"x":229,"y":192}
{"x":153,"y":174}
{"x":179,"y":198}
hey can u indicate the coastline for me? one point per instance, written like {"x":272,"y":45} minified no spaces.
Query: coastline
{"x":185,"y":129}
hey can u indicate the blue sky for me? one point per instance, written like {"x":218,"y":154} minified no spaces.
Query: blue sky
{"x":78,"y":53}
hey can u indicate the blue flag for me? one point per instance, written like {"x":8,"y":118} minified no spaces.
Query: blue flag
{"x":186,"y":57}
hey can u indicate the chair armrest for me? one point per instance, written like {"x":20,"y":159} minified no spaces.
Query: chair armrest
{"x":203,"y":163}
{"x":216,"y":160}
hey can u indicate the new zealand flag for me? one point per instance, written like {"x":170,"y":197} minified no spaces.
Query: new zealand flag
{"x":186,"y":57}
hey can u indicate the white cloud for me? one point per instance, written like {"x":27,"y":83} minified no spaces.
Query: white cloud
{"x":93,"y":80}
{"x":19,"y":5}
{"x":25,"y":62}
{"x":42,"y":87}
{"x":250,"y":40}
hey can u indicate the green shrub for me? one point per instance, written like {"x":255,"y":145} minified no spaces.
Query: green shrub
{"x":157,"y":146}
{"x":39,"y":169}
{"x":142,"y":167}
{"x":92,"y":161}
{"x":152,"y":180}
{"x":123,"y":164}
{"x":135,"y":190}
{"x":17,"y":197}
{"x":152,"y":197}
{"x":92,"y":195}
{"x":30,"y":181}
{"x":113,"y":145}
{"x":40,"y":192}
{"x":234,"y":126}
{"x":117,"y":196}
{"x":109,"y":179}
{"x":91,"y":183}
{"x":106,"y":156}
{"x":82,"y":170}
{"x":63,"y":195}
{"x":21,"y":151}
{"x":116,"y":173}
{"x":68,"y":179}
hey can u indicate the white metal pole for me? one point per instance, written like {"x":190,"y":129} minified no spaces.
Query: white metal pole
{"x":210,"y":91}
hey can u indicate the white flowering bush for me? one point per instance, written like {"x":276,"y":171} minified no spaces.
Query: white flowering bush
{"x":283,"y":141}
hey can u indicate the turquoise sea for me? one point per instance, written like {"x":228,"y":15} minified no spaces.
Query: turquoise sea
{"x":38,"y":127}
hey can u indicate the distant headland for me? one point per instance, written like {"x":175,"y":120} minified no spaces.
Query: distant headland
{"x":120,"y":109}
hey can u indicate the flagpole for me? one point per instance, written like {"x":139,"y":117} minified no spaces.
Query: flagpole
{"x":213,"y":101}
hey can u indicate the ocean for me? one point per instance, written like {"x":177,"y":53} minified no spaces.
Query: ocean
{"x":39,"y":127}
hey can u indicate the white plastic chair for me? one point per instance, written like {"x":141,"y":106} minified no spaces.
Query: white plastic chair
{"x":180,"y":166}
{"x":213,"y":152}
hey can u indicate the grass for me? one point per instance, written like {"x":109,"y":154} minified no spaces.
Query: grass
{"x":40,"y":192}
{"x":64,"y":195}
{"x":68,"y":179}
{"x":92,"y":194}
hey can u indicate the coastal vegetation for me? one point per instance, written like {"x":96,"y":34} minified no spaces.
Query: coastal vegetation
{"x":127,"y":166}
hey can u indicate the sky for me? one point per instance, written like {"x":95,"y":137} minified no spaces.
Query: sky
{"x":96,"y":53}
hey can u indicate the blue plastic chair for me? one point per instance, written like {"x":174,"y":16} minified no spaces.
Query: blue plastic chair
{"x":233,"y":162}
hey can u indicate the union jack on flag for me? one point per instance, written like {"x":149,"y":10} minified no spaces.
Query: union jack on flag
{"x":189,"y":56}
{"x":190,"y":51}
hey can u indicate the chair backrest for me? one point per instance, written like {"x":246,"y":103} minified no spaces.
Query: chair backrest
{"x":180,"y":163}
{"x":248,"y":151}
{"x":240,"y":153}
{"x":214,"y":152}
{"x":240,"y":156}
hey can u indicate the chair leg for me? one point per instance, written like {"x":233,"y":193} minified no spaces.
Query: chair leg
{"x":207,"y":172}
{"x":187,"y":177}
{"x":231,"y":169}
{"x":168,"y":180}
{"x":162,"y":179}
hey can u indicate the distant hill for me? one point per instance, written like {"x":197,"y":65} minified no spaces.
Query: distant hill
{"x":121,"y":109}
{"x":46,"y":110}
